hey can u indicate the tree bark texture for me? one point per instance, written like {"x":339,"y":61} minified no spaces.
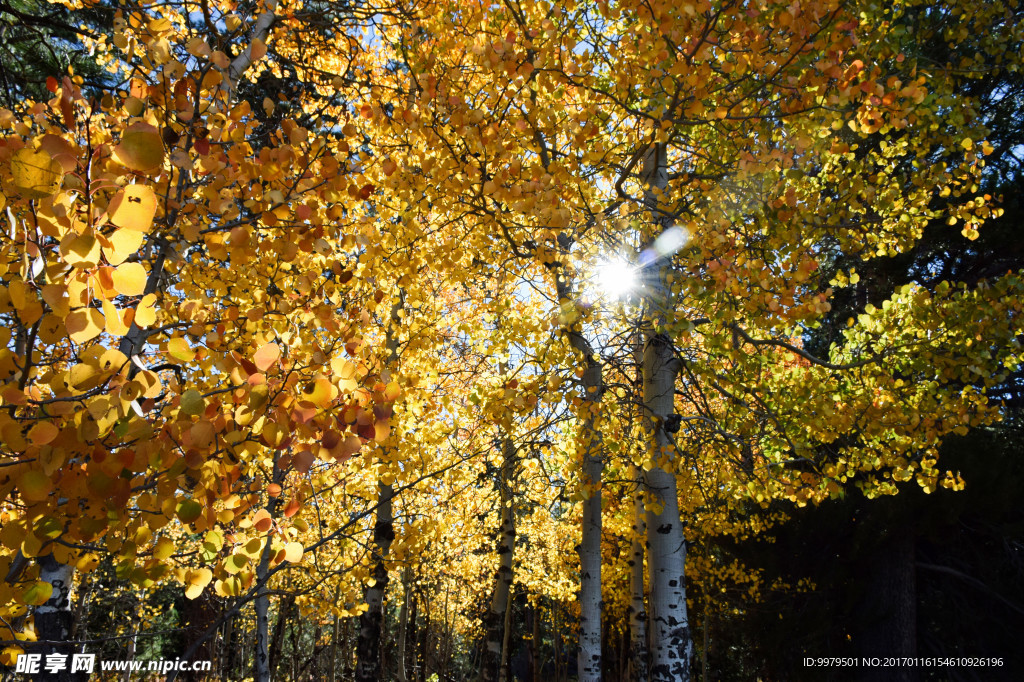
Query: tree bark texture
{"x":637,"y":608}
{"x":588,"y":661}
{"x":671,"y":644}
{"x":892,"y":626}
{"x":403,"y":625}
{"x":262,"y":601}
{"x":368,"y":645}
{"x":53,"y":619}
{"x":494,"y":619}
{"x":368,"y":668}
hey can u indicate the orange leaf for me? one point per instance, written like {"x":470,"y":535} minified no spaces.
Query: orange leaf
{"x":262,"y":521}
{"x":292,"y":508}
{"x":259,"y":48}
{"x":266,"y":356}
{"x":43,"y":433}
{"x":303,"y":461}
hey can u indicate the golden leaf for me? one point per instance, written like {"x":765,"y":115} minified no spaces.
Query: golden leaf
{"x":145,"y":313}
{"x":122,"y":244}
{"x":84,"y":324}
{"x":81,"y":251}
{"x":133,"y":208}
{"x":141,"y":147}
{"x":35,"y":173}
{"x":34,"y":485}
{"x":293,"y":552}
{"x":179,"y":349}
{"x":130,"y":279}
{"x":115,"y":325}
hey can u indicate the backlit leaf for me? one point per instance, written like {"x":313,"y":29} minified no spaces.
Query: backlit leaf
{"x":84,"y":324}
{"x":141,"y":147}
{"x":133,"y":208}
{"x":266,"y":356}
{"x":130,"y":279}
{"x":35,"y":173}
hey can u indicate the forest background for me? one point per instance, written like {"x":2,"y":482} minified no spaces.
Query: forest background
{"x":454,"y":340}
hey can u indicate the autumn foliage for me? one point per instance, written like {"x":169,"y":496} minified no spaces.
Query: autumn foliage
{"x":299,"y":261}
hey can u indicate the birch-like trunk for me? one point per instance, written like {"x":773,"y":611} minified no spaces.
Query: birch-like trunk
{"x":262,"y":601}
{"x":589,"y":657}
{"x":588,"y":661}
{"x":672,"y":648}
{"x":368,"y":645}
{"x":671,"y":643}
{"x":493,"y":665}
{"x":637,"y":608}
{"x":54,"y":618}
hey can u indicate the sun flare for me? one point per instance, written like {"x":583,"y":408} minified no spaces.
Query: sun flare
{"x":616,"y":278}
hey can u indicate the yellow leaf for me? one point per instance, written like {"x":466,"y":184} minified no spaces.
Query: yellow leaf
{"x":84,"y":324}
{"x":215,"y":539}
{"x":130,"y":279}
{"x":35,"y":173}
{"x":141,"y":147}
{"x":164,"y":548}
{"x":115,"y":325}
{"x":235,"y":563}
{"x":38,"y":594}
{"x":179,"y":349}
{"x":200,"y":577}
{"x":122,"y":243}
{"x":34,"y":485}
{"x":133,"y":208}
{"x":293,"y":552}
{"x":145,"y":313}
{"x":81,"y":251}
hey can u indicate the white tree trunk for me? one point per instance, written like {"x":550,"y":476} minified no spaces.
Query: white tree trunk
{"x":588,"y":662}
{"x":262,"y":602}
{"x":637,"y":609}
{"x":589,"y":657}
{"x":371,"y":620}
{"x":671,"y":643}
{"x":672,"y":648}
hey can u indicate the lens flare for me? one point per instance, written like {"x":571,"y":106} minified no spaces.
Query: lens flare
{"x":616,"y":278}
